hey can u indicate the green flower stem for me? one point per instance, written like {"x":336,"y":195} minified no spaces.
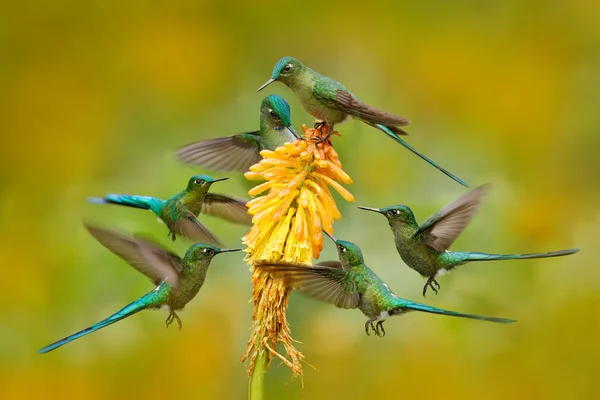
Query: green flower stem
{"x":257,"y":382}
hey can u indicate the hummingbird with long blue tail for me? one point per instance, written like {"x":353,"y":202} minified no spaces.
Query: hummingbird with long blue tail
{"x":330,"y":102}
{"x":178,"y":280}
{"x":239,"y":152}
{"x":180,"y":211}
{"x":424,"y":247}
{"x":349,"y":283}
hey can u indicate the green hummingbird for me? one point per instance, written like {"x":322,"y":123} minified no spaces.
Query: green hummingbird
{"x":425,"y":248}
{"x":239,"y":152}
{"x":178,"y":279}
{"x":329,"y":101}
{"x":349,"y":283}
{"x":179,"y":211}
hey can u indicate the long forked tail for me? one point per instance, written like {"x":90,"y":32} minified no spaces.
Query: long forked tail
{"x":433,"y":310}
{"x":395,"y":137}
{"x":473,"y":256}
{"x":149,"y":300}
{"x":142,"y":202}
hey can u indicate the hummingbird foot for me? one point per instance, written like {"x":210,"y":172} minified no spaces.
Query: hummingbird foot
{"x":319,"y":126}
{"x":430,"y":283}
{"x":380,"y":325}
{"x":368,"y":324}
{"x":173,"y":317}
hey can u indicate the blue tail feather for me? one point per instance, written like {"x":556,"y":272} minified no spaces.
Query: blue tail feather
{"x":141,"y":202}
{"x":474,"y":256}
{"x":150,"y":300}
{"x":395,"y":137}
{"x":433,"y":310}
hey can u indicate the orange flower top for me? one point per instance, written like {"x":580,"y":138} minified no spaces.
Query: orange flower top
{"x":288,"y":220}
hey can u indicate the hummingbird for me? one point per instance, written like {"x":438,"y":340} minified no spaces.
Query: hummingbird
{"x":178,"y":279}
{"x":239,"y":152}
{"x":424,"y":248}
{"x":349,"y":283}
{"x":329,"y":101}
{"x":179,"y":211}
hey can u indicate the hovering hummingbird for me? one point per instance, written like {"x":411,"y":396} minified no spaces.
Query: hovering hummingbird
{"x":239,"y":152}
{"x":178,"y":279}
{"x":425,"y":248}
{"x":349,"y":283}
{"x":327,"y":100}
{"x":179,"y":211}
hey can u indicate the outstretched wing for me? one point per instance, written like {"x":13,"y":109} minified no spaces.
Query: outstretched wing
{"x":149,"y":258}
{"x":232,"y":153}
{"x":342,"y":100}
{"x":442,"y":228}
{"x":330,"y":285}
{"x":187,"y":225}
{"x":228,"y":208}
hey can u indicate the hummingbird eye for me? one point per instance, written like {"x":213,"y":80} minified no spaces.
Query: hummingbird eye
{"x":272,"y":113}
{"x":198,"y":181}
{"x":394,"y":212}
{"x":287,"y":68}
{"x":342,"y":249}
{"x":208,"y":251}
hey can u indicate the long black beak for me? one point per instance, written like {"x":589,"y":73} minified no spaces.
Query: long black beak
{"x":330,"y":237}
{"x":219,"y":180}
{"x":377,"y":210}
{"x":266,"y":84}
{"x":291,"y":129}
{"x":227,"y":250}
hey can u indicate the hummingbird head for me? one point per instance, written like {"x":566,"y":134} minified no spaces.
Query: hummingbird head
{"x":202,"y":182}
{"x":396,"y":215}
{"x":276,"y":112}
{"x":286,"y":70}
{"x":204,"y":252}
{"x":349,"y":253}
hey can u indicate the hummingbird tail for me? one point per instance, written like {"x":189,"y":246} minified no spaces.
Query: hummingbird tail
{"x":142,"y":202}
{"x":395,"y":137}
{"x":149,"y":300}
{"x":473,"y":256}
{"x":433,"y":310}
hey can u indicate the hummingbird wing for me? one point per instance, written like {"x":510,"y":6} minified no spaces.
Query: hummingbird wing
{"x":228,"y":208}
{"x":441,"y":229}
{"x":231,"y":153}
{"x":187,"y":225}
{"x":331,"y":285}
{"x":147,"y":257}
{"x":341,"y":99}
{"x":331,"y":264}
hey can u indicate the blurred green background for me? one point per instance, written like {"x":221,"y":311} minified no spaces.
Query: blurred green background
{"x":96,"y":95}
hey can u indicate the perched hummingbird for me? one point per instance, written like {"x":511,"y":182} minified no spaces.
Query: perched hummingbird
{"x":327,"y":100}
{"x":349,"y":283}
{"x":425,"y":248}
{"x":239,"y":152}
{"x":178,"y":279}
{"x":179,"y":211}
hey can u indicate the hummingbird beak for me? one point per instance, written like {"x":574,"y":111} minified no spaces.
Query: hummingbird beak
{"x":330,"y":236}
{"x":228,"y":250}
{"x":218,"y":180}
{"x":293,"y":131}
{"x":266,"y":84}
{"x":377,"y":210}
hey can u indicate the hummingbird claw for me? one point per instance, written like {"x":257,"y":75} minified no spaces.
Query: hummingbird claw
{"x":173,"y":317}
{"x":430,"y":283}
{"x":368,"y":324}
{"x":380,"y":325}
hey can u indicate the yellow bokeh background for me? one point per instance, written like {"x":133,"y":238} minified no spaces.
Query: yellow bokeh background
{"x":96,"y":95}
